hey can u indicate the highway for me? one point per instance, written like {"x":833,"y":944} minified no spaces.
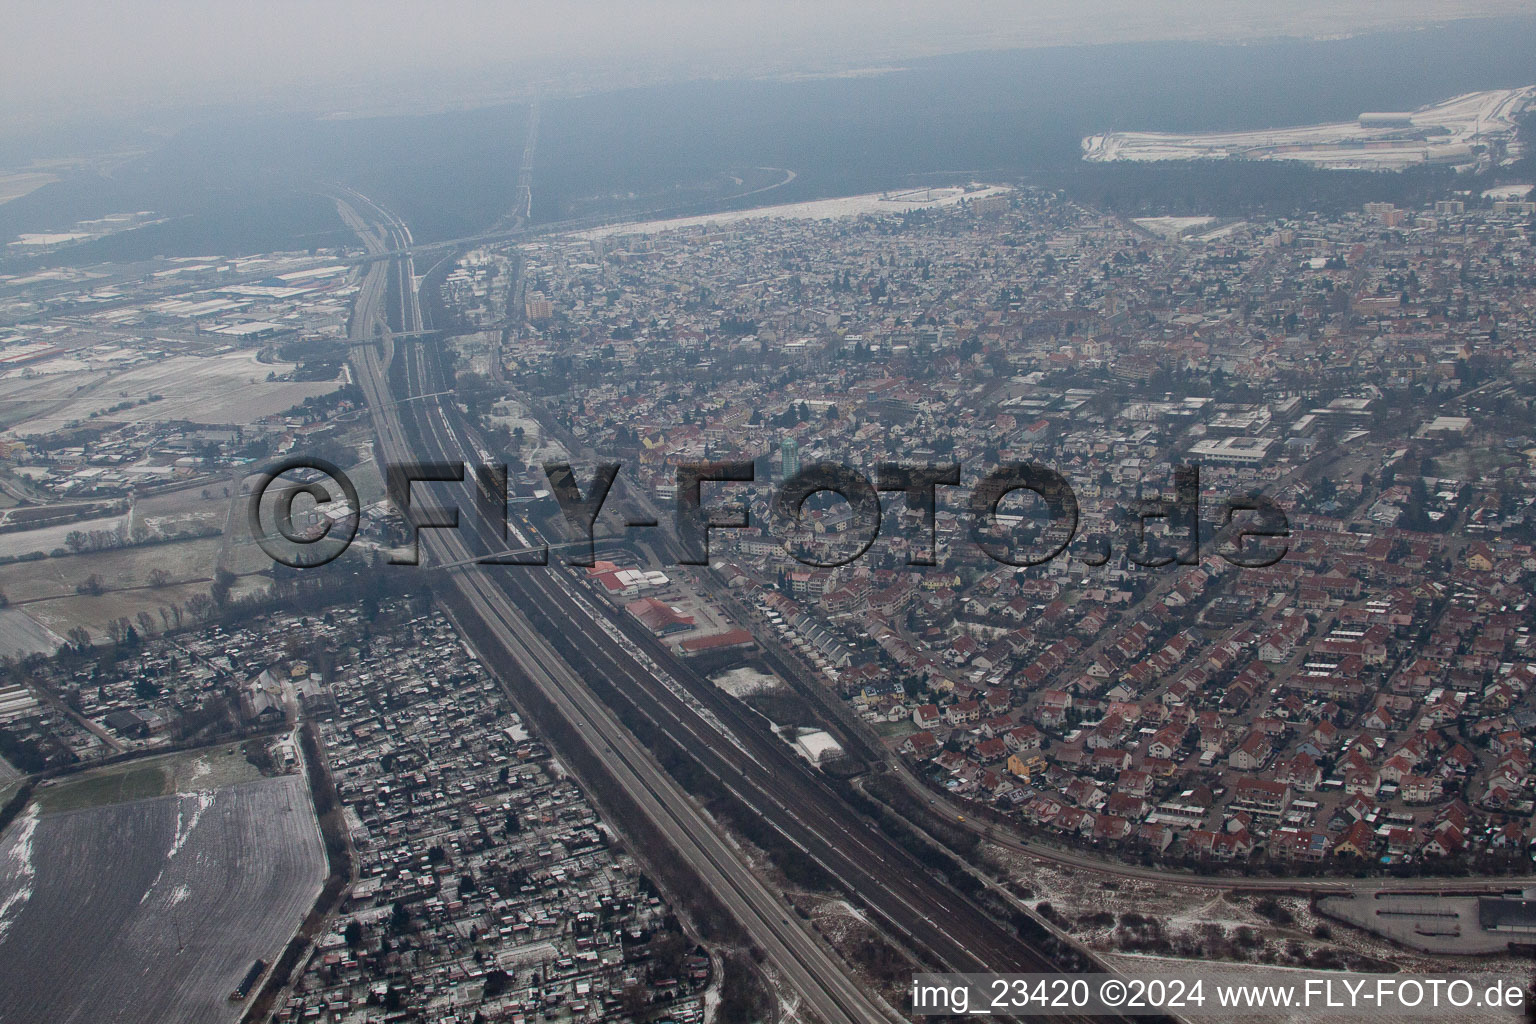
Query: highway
{"x":802,"y":962}
{"x":556,"y":636}
{"x":524,"y":208}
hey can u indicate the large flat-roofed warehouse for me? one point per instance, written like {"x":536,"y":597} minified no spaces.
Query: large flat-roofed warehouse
{"x":1238,"y":450}
{"x":1507,"y":914}
{"x":1382,"y":119}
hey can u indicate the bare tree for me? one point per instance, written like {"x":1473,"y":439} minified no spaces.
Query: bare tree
{"x":201,"y":607}
{"x":223,"y":580}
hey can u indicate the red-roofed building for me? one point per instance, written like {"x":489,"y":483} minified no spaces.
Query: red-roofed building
{"x":729,"y":640}
{"x":659,"y":617}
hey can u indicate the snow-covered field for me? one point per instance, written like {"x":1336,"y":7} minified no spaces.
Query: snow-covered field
{"x":47,"y":538}
{"x":20,"y":634}
{"x":818,"y":209}
{"x":228,"y":388}
{"x":176,"y":894}
{"x":1441,"y":133}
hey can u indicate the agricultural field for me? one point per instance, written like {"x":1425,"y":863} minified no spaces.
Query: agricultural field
{"x":228,"y":388}
{"x":162,"y":775}
{"x":15,"y":184}
{"x":20,"y":634}
{"x":47,"y":591}
{"x":45,"y":599}
{"x":49,"y":538}
{"x":209,"y":504}
{"x":103,"y":884}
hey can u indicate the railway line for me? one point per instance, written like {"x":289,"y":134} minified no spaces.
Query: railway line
{"x":524,"y":658}
{"x":555,"y":639}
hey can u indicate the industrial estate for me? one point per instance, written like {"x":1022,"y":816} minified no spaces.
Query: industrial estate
{"x":1477,"y":129}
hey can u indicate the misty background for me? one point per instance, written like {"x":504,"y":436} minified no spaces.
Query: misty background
{"x":231,"y":123}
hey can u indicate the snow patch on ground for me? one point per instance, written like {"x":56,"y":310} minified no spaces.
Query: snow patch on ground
{"x":816,"y":209}
{"x":185,"y":823}
{"x":201,"y":769}
{"x":19,"y":867}
{"x":746,"y":681}
{"x":197,"y":803}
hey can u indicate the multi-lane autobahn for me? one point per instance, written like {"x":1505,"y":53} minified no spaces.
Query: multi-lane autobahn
{"x":524,"y":659}
{"x":553,"y":636}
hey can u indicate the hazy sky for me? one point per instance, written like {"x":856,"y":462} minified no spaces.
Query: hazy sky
{"x":65,"y":58}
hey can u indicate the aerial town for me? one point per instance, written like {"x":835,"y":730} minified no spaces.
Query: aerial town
{"x":1363,"y":699}
{"x":697,"y":513}
{"x":1279,"y":666}
{"x":487,"y":882}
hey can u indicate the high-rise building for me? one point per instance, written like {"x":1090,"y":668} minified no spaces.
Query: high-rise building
{"x":537,"y":307}
{"x":789,"y":457}
{"x":1386,"y":214}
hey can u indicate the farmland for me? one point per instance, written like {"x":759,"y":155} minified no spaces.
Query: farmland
{"x":48,"y":591}
{"x":46,"y":597}
{"x":176,"y":894}
{"x":227,"y":388}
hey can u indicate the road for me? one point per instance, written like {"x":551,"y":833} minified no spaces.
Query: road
{"x":804,"y":964}
{"x":523,"y":210}
{"x":555,"y":637}
{"x":1001,"y":834}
